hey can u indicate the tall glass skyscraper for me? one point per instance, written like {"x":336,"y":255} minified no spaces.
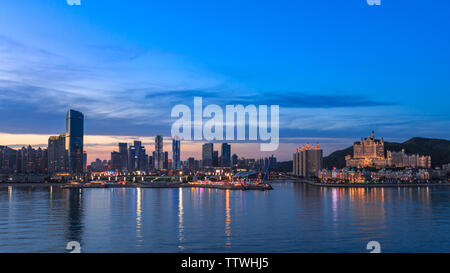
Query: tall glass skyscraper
{"x":176,"y":164}
{"x":123,"y":150}
{"x":137,"y":158}
{"x":159,"y":153}
{"x":74,"y":140}
{"x":207,"y":154}
{"x":226,"y":155}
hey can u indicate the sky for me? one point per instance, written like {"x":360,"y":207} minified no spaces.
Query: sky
{"x":338,"y":69}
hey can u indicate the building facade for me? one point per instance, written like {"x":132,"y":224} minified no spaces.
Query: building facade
{"x":116,"y":161}
{"x":207,"y":155}
{"x":369,"y":152}
{"x":74,"y":140}
{"x":57,"y":154}
{"x":158,"y":156}
{"x":308,"y":161}
{"x":225,"y":157}
{"x":123,"y":150}
{"x":401,"y":159}
{"x":137,"y":158}
{"x":176,"y":156}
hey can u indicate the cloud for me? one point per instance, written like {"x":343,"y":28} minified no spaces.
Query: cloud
{"x":132,"y":92}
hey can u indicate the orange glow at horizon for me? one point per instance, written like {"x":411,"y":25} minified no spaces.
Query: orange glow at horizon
{"x":101,"y":146}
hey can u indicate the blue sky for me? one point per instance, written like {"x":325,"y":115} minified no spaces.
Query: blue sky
{"x":338,"y":69}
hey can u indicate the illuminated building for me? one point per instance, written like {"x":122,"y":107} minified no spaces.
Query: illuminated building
{"x":8,"y":159}
{"x":166,"y":161}
{"x":57,"y":154}
{"x":123,"y":150}
{"x":176,"y":164}
{"x":207,"y":154}
{"x":74,"y":140}
{"x":226,"y":155}
{"x":116,"y":162}
{"x":401,"y":159}
{"x":215,"y":159}
{"x":85,"y":161}
{"x":158,"y":157}
{"x":31,"y":161}
{"x":137,"y":158}
{"x":308,"y":160}
{"x":368,"y":152}
{"x":234,"y":160}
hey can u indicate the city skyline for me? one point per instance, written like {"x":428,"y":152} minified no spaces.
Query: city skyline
{"x":101,"y":146}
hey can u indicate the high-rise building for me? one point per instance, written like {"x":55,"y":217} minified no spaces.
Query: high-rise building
{"x":57,"y":154}
{"x":308,"y":160}
{"x":74,"y":140}
{"x":158,"y":157}
{"x":142,"y":158}
{"x":132,"y":158}
{"x":166,"y":161}
{"x":192,"y":164}
{"x":137,"y":158}
{"x":85,"y":161}
{"x":207,"y":154}
{"x":226,"y":155}
{"x":8,"y":159}
{"x":116,"y":161}
{"x":215,"y":159}
{"x":123,"y":150}
{"x":151,"y":165}
{"x":176,"y":164}
{"x":30,"y":160}
{"x":234,"y":160}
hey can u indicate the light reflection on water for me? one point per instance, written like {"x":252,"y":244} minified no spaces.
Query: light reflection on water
{"x":291,"y":218}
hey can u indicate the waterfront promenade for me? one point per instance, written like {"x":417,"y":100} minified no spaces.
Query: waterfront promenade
{"x":262,"y":187}
{"x":370,"y":185}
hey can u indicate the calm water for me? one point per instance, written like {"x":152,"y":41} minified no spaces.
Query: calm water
{"x":291,"y":218}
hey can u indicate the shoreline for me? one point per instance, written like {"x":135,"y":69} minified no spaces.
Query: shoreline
{"x":335,"y":185}
{"x":156,"y":185}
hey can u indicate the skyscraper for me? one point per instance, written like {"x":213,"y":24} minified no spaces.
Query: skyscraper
{"x":308,"y":160}
{"x":226,"y":155}
{"x":166,"y":161}
{"x":57,"y":154}
{"x":215,"y":159}
{"x":234,"y":160}
{"x":116,"y":162}
{"x":123,"y":150}
{"x":137,"y":158}
{"x":85,"y":161}
{"x":176,"y":165}
{"x":74,"y":140}
{"x":132,"y":156}
{"x":159,"y":153}
{"x":207,"y":154}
